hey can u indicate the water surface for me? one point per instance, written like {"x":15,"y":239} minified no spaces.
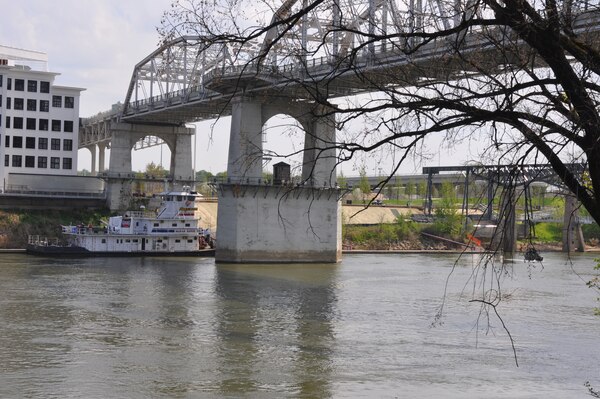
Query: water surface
{"x":187,"y":328}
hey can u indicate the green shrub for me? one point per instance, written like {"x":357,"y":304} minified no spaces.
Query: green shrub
{"x":548,"y":232}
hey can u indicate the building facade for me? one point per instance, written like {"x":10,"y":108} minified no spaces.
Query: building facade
{"x":39,"y":121}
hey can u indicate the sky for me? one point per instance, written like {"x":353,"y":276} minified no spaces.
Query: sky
{"x":95,"y":44}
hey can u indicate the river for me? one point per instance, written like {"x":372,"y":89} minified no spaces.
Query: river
{"x":367,"y":327}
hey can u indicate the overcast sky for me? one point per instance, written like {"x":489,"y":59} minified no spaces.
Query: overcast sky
{"x":95,"y":44}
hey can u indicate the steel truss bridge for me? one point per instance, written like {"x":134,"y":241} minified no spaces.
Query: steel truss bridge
{"x":325,"y":55}
{"x":510,"y":176}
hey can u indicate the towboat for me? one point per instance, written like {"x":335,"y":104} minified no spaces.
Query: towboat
{"x":173,"y":230}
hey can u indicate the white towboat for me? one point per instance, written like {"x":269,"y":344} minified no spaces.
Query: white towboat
{"x":172,"y":230}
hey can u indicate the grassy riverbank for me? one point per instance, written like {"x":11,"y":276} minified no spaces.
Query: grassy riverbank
{"x":409,"y":236}
{"x":16,"y":226}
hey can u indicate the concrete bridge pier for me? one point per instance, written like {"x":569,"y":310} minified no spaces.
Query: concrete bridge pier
{"x":572,"y":235}
{"x":124,"y":137}
{"x":284,"y":223}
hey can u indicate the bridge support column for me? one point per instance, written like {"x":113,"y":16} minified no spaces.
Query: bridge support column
{"x":245,"y":142}
{"x":181,"y":158}
{"x":92,"y":149}
{"x":259,"y":223}
{"x":572,"y":235}
{"x":319,"y":158}
{"x":101,"y":157}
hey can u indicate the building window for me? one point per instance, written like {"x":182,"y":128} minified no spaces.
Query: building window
{"x":42,"y":162}
{"x":19,"y":104}
{"x":54,"y":144}
{"x":29,"y":161}
{"x":44,"y":105}
{"x":32,"y":87}
{"x":17,"y":161}
{"x":55,"y":125}
{"x":57,"y":101}
{"x":67,"y":145}
{"x":0,"y":101}
{"x":44,"y":87}
{"x":6,"y":160}
{"x":8,"y":86}
{"x":8,"y":122}
{"x":30,"y":142}
{"x":8,"y":103}
{"x":30,"y":123}
{"x":69,"y":102}
{"x":31,"y":104}
{"x":43,"y":124}
{"x":43,"y":143}
{"x":17,"y":122}
{"x":1,"y":78}
{"x":7,"y":142}
{"x":54,"y":163}
{"x":17,"y":142}
{"x":19,"y":85}
{"x":67,"y":163}
{"x":68,"y":126}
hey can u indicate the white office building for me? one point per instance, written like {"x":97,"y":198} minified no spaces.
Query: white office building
{"x":39,"y":121}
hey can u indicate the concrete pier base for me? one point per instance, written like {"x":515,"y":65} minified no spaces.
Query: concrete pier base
{"x":278,"y":224}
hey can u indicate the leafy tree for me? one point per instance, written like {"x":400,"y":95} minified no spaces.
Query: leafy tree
{"x":363,"y":183}
{"x":204,"y":176}
{"x":342,"y":181}
{"x":519,"y":75}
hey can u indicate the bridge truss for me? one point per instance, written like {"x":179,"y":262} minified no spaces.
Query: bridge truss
{"x":193,"y":78}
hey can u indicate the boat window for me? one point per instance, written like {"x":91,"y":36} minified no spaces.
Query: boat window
{"x":104,"y":241}
{"x":137,"y":223}
{"x":135,"y":240}
{"x":187,"y":225}
{"x":159,"y":240}
{"x":177,"y":240}
{"x":128,"y":240}
{"x":174,"y":225}
{"x":190,"y":197}
{"x":155,"y":224}
{"x":179,"y":198}
{"x":190,"y":240}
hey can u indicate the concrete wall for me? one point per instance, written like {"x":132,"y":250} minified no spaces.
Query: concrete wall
{"x":53,"y":183}
{"x":278,"y":224}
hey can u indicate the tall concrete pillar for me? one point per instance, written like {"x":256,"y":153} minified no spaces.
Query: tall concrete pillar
{"x":92,"y":149}
{"x":119,"y":190}
{"x":245,"y":142}
{"x":319,"y":158}
{"x":572,"y":235}
{"x":181,"y":159}
{"x":101,"y":157}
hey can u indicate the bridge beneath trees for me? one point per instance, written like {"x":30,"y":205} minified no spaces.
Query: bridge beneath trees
{"x":296,"y":69}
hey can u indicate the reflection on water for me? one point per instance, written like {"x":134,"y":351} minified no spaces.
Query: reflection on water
{"x":274,"y":325}
{"x":156,"y":327}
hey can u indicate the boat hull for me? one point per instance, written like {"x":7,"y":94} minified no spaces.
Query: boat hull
{"x":74,"y":251}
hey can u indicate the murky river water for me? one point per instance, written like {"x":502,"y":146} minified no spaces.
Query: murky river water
{"x":187,"y":328}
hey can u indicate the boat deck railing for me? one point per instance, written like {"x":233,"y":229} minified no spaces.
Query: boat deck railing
{"x":42,"y":241}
